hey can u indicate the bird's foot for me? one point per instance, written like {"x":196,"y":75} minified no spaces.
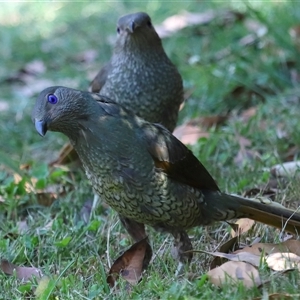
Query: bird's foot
{"x":182,"y":250}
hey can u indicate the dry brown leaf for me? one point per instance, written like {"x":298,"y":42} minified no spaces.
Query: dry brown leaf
{"x":259,"y":248}
{"x":234,"y":272}
{"x":66,"y":155}
{"x":227,"y":247}
{"x":131,"y":263}
{"x":177,"y":22}
{"x":189,"y":134}
{"x":46,"y":199}
{"x":209,"y":121}
{"x":244,"y":225}
{"x":22,"y":273}
{"x":249,"y":113}
{"x":283,"y":261}
{"x":278,"y":296}
{"x":292,"y":246}
{"x":241,"y":256}
{"x":47,"y":196}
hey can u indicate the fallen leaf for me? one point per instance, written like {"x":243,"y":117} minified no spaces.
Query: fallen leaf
{"x":235,"y":272}
{"x":66,"y":155}
{"x":209,"y":121}
{"x":249,"y":113}
{"x":283,"y":261}
{"x":292,"y":246}
{"x":46,"y":199}
{"x":241,"y":256}
{"x":189,"y":134}
{"x":49,"y":195}
{"x":244,"y":225}
{"x":228,"y":246}
{"x":177,"y":22}
{"x":22,"y":273}
{"x":131,"y":263}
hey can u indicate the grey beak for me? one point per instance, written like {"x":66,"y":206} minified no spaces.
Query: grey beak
{"x":41,"y":127}
{"x":131,"y":27}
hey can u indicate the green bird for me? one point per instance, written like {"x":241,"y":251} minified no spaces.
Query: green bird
{"x":139,"y":75}
{"x":143,"y":172}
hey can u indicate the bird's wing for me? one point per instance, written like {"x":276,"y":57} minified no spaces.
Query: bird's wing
{"x":175,"y":159}
{"x":100,"y":79}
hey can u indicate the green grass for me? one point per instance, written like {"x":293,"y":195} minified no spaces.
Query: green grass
{"x":74,"y":254}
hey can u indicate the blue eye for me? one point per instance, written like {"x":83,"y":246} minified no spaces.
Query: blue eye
{"x":52,"y":99}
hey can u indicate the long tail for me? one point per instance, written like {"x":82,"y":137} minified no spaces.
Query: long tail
{"x":220,"y":206}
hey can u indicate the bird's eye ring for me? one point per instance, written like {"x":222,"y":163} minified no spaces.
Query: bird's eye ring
{"x":52,"y":99}
{"x":118,"y":30}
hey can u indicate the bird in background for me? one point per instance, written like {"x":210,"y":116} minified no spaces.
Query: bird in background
{"x":139,"y":75}
{"x":145,"y":173}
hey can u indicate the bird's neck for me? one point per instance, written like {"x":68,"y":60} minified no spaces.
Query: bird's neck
{"x":139,"y":57}
{"x":74,"y":127}
{"x":137,"y":46}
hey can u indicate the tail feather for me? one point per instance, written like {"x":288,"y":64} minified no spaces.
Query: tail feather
{"x":267,"y":212}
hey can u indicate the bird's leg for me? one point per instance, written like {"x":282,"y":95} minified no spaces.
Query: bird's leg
{"x":138,"y":233}
{"x":136,"y":230}
{"x":182,"y":243}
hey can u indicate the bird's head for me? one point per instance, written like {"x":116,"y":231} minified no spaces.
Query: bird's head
{"x":59,"y":109}
{"x":136,"y":28}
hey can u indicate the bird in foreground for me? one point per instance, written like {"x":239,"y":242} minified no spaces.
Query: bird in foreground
{"x":143,"y":172}
{"x":139,"y":75}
